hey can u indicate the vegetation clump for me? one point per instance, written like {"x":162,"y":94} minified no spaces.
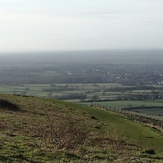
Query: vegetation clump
{"x":7,"y":105}
{"x":150,"y":151}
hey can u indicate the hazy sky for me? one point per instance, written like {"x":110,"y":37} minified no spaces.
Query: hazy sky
{"x":36,"y":25}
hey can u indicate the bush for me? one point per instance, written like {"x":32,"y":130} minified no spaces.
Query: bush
{"x":150,"y":151}
{"x":7,"y":105}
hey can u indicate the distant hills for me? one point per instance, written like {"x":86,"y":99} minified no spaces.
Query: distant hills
{"x":102,"y":56}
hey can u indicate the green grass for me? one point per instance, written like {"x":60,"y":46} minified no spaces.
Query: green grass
{"x":124,"y":126}
{"x":27,"y":134}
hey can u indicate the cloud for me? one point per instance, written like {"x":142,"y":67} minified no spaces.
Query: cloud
{"x":59,"y":24}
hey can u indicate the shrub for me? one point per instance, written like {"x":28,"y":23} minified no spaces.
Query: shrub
{"x":150,"y":151}
{"x":7,"y":105}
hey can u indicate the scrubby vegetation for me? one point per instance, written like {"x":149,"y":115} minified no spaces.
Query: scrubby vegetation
{"x":46,"y":130}
{"x":7,"y":105}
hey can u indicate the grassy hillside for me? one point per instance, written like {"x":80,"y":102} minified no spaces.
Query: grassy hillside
{"x":45,"y":130}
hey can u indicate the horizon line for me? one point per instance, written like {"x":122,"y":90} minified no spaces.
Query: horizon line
{"x":82,"y":50}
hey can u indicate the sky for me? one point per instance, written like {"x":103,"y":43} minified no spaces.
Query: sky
{"x":52,"y":25}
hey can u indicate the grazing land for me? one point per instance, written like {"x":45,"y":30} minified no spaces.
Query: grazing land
{"x":46,"y":130}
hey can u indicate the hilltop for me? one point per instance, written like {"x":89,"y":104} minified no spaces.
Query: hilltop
{"x":43,"y":130}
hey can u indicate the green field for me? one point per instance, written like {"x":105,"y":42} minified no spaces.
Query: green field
{"x":104,"y":91}
{"x":39,"y":89}
{"x":150,"y":111}
{"x":127,"y":104}
{"x":109,"y":93}
{"x":153,"y":109}
{"x":30,"y":132}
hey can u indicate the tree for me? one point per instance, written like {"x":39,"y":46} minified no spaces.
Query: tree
{"x":95,"y":98}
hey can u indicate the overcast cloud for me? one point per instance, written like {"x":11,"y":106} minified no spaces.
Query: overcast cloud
{"x":35,"y":25}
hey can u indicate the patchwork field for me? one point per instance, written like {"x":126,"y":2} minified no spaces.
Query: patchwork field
{"x":110,"y":95}
{"x":84,"y":92}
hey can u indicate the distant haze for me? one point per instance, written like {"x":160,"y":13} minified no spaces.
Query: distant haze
{"x":50,"y":25}
{"x":91,"y":56}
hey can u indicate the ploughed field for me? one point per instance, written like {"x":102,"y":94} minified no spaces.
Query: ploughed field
{"x":150,"y":111}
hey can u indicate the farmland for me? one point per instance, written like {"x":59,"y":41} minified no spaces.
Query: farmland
{"x":121,"y":90}
{"x":103,"y":91}
{"x":42,"y":90}
{"x":85,"y":94}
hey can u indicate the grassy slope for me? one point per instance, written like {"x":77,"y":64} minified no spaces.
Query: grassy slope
{"x":26,"y":134}
{"x":136,"y":132}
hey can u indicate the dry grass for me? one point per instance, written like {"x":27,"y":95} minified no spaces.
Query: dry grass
{"x":50,"y":131}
